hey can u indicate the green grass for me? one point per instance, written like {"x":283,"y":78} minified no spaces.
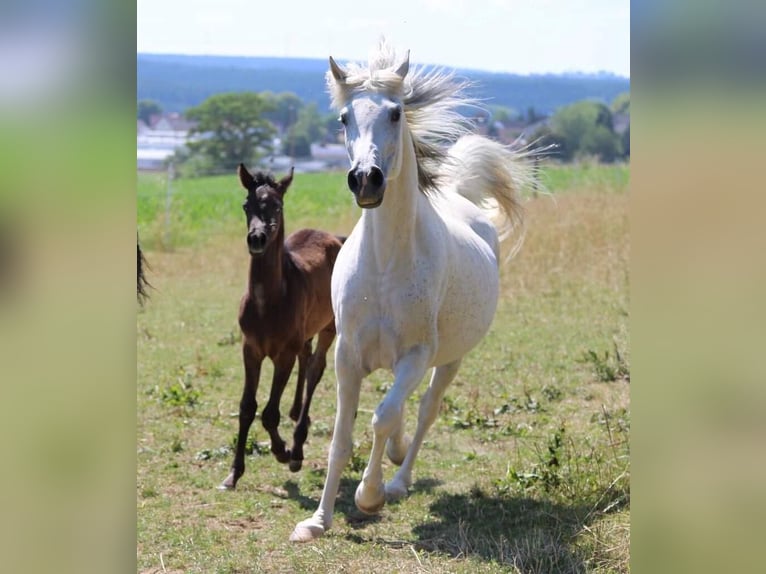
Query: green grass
{"x":196,"y":210}
{"x":526,"y":470}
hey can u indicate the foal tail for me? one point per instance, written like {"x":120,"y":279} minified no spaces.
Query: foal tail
{"x":492,"y":176}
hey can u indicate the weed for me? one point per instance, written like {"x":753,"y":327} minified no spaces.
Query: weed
{"x":181,"y":393}
{"x":251,"y":446}
{"x":231,"y":338}
{"x":213,"y":454}
{"x":611,"y":367}
{"x":552,"y":393}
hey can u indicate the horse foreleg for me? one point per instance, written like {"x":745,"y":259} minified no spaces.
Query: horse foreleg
{"x":316,"y":367}
{"x":303,"y":360}
{"x":427,"y":413}
{"x":247,"y":409}
{"x":398,"y":443}
{"x":283,"y":366}
{"x":408,"y":372}
{"x":349,"y":382}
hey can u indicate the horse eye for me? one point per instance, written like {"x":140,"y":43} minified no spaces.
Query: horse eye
{"x":343,"y":118}
{"x":396,"y":114}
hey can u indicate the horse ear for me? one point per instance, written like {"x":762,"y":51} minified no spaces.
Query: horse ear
{"x":245,"y":177}
{"x":285,"y":182}
{"x":404,"y":67}
{"x":337,"y":72}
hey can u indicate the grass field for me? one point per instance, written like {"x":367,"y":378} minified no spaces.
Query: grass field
{"x":527,"y":468}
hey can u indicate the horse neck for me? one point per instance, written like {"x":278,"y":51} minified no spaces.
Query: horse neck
{"x":391,"y":226}
{"x":267,"y":270}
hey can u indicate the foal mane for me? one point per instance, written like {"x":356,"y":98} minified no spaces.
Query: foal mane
{"x":262,"y":179}
{"x":431,"y":99}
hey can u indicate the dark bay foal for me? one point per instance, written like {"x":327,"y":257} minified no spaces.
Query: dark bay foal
{"x":286,"y":304}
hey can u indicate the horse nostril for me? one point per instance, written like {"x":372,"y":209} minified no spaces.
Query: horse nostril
{"x":256,"y":240}
{"x":354,"y":180}
{"x":376,"y":178}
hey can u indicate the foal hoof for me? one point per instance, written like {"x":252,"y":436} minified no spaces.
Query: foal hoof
{"x":229,"y":484}
{"x":295,"y":465}
{"x":283,"y":457}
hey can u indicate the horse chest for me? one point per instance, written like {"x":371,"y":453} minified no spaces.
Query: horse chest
{"x":385,"y":314}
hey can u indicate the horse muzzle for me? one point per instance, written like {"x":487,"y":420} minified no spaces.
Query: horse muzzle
{"x":256,"y":243}
{"x":367,"y":186}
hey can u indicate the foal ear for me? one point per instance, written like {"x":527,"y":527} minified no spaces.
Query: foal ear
{"x":245,"y":177}
{"x":285,"y":182}
{"x":404,"y":67}
{"x":337,"y":72}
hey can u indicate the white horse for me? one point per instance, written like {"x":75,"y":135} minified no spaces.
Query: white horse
{"x":416,"y":284}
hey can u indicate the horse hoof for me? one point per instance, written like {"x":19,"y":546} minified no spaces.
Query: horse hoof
{"x":283,"y":457}
{"x":295,"y":465}
{"x":229,"y":484}
{"x":396,"y":491}
{"x":306,"y":532}
{"x":369,"y":504}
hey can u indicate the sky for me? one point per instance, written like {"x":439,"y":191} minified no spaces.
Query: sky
{"x":514,"y":36}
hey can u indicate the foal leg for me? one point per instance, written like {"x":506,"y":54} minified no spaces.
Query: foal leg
{"x":349,"y":382}
{"x":303,"y":359}
{"x":408,"y":372}
{"x":247,"y":408}
{"x":316,"y":368}
{"x":283,"y":366}
{"x":428,"y":411}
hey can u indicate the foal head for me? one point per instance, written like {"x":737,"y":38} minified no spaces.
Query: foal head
{"x":263,"y":207}
{"x":372,"y":113}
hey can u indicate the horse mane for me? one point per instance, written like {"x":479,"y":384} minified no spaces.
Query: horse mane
{"x":262,"y":179}
{"x":431,"y":99}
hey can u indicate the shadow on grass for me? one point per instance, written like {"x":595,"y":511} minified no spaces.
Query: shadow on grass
{"x":530,"y":535}
{"x":526,"y":534}
{"x":344,"y":504}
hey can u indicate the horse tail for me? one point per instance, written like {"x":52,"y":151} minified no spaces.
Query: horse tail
{"x":492,"y":176}
{"x":141,"y":283}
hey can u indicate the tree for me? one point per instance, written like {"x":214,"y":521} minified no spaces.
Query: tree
{"x":625,"y":143}
{"x":621,"y":104}
{"x":502,"y":114}
{"x":309,"y":128}
{"x":231,"y":129}
{"x":286,"y":108}
{"x":585,"y":128}
{"x":146,"y":109}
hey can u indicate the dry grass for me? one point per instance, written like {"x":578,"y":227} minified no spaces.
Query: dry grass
{"x":486,"y":498}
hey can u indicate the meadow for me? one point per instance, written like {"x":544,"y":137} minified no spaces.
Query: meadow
{"x":527,"y":468}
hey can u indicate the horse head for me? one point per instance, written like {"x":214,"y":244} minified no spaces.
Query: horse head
{"x":372,"y":113}
{"x":263,"y":208}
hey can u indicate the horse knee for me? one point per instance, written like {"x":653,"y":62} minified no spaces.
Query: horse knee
{"x":247,"y":411}
{"x":386,"y":418}
{"x":270,"y":418}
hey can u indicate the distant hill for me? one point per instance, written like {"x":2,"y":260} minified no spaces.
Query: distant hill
{"x":178,"y":82}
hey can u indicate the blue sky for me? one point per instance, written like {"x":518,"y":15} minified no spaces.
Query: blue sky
{"x":517,"y":36}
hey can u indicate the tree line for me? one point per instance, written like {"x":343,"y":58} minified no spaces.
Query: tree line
{"x":235,"y":127}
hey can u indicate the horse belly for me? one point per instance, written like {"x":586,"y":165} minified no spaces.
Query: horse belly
{"x":467,"y":310}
